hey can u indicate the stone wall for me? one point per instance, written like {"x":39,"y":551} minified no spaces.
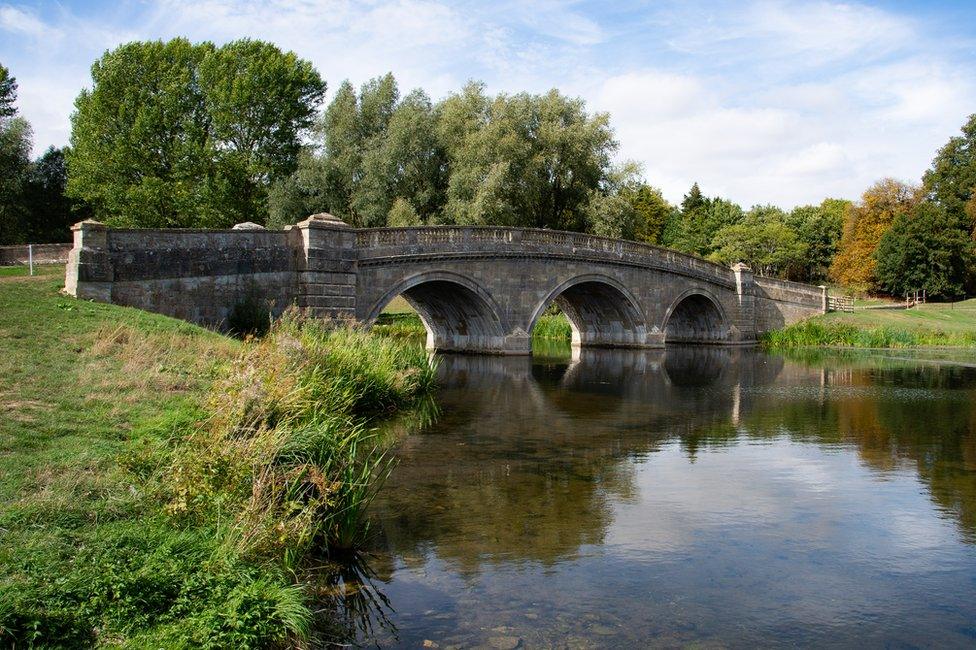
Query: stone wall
{"x":780,"y":302}
{"x":476,"y":288}
{"x":43,"y":254}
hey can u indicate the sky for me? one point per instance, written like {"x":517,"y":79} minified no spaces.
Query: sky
{"x":759,"y":101}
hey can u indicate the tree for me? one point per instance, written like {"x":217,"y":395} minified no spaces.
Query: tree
{"x":402,"y":214}
{"x":294,"y":197}
{"x":700,"y":218}
{"x":686,"y":233}
{"x":404,"y":161}
{"x":51,"y":212}
{"x":864,"y":225}
{"x":15,"y":146}
{"x":951,"y":181}
{"x":925,"y":249}
{"x":652,"y":212}
{"x":820,"y":228}
{"x":175,"y":134}
{"x":611,"y":215}
{"x":259,"y":101}
{"x":8,"y":93}
{"x":352,"y":129}
{"x":762,"y":240}
{"x":139,"y":138}
{"x":524,"y":160}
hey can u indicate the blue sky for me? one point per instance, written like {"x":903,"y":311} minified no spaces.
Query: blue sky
{"x":761,"y":101}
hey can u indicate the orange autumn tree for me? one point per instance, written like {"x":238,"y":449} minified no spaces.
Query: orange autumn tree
{"x":864,"y":224}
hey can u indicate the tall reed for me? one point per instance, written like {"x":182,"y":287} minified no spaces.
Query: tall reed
{"x":286,"y":457}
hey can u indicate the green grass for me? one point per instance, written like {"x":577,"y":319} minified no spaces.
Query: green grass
{"x":552,"y":326}
{"x":932,"y":324}
{"x":163,"y":485}
{"x":39,"y":269}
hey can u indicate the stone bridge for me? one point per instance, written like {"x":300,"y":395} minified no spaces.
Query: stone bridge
{"x":477,"y":289}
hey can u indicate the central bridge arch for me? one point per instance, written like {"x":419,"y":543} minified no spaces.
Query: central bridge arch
{"x":602,"y":312}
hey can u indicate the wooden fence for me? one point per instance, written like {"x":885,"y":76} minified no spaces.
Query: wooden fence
{"x":840,"y":303}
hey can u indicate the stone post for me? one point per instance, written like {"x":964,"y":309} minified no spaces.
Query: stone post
{"x":88,"y":274}
{"x":325,"y":261}
{"x":744,"y":327}
{"x":823,"y":299}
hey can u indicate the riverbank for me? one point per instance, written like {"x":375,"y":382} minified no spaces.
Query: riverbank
{"x":928,"y":325}
{"x":165,"y":485}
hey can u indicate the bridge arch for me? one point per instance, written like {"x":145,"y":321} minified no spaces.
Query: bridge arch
{"x":696,"y":316}
{"x":458,"y":314}
{"x":601,"y":311}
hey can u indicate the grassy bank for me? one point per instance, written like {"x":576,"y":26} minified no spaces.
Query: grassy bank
{"x":934,"y":325}
{"x":166,"y":486}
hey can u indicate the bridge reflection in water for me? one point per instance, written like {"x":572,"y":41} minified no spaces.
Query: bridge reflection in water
{"x":576,"y":499}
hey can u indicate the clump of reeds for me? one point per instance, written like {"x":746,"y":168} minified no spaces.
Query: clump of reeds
{"x":402,"y":325}
{"x":286,"y":458}
{"x":552,"y":325}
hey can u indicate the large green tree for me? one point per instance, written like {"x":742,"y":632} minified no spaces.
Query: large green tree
{"x":8,"y":93}
{"x":652,"y":212}
{"x":951,"y":180}
{"x":927,"y":249}
{"x":762,"y":240}
{"x":524,"y":160}
{"x":15,"y":147}
{"x":174,"y":134}
{"x":259,"y":102}
{"x":693,"y":227}
{"x":820,"y":228}
{"x":404,"y":162}
{"x":51,"y":212}
{"x":334,"y":176}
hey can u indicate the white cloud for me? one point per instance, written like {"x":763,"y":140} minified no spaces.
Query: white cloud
{"x":19,"y":21}
{"x":764,"y":101}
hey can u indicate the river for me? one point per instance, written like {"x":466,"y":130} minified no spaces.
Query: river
{"x":702,"y":496}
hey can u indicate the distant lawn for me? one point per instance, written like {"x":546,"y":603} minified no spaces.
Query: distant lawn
{"x":874,"y":302}
{"x":39,"y":270}
{"x":399,"y":305}
{"x":958,"y":317}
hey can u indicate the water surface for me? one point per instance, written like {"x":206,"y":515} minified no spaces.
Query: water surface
{"x":709,"y":496}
